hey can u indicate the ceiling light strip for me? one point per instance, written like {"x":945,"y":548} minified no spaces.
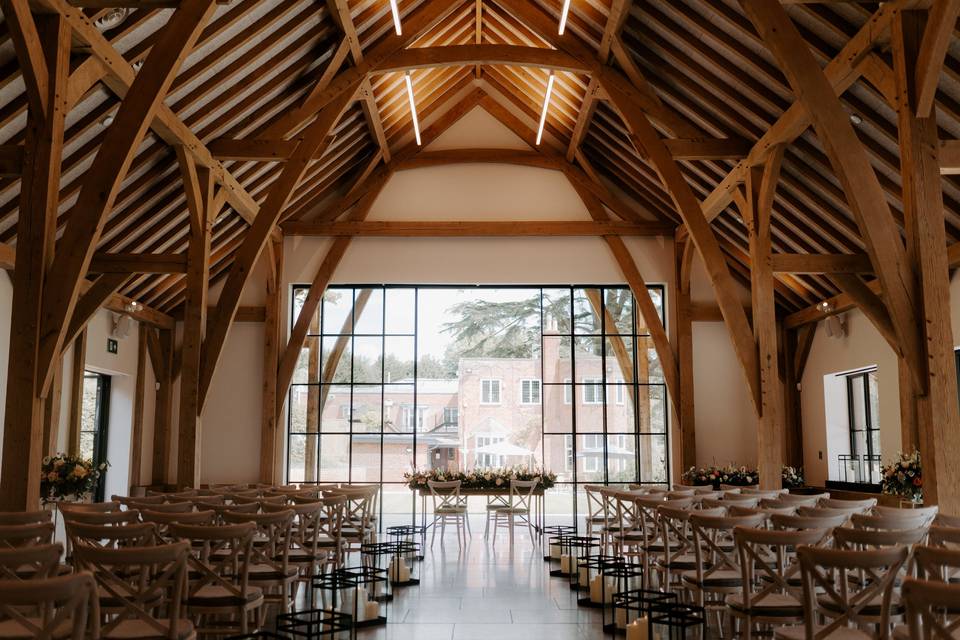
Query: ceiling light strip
{"x":564,"y":12}
{"x":395,"y":11}
{"x":546,"y":105}
{"x":413,"y":108}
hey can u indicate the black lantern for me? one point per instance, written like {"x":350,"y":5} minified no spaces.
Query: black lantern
{"x":619,"y":577}
{"x":553,"y":547}
{"x":589,"y":581}
{"x":634,"y":604}
{"x":355,"y":591}
{"x":678,"y":622}
{"x":574,"y":550}
{"x":408,"y":533}
{"x":312,"y":624}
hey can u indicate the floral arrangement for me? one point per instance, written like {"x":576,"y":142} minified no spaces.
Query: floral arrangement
{"x":480,"y":478}
{"x":791,"y":477}
{"x":65,"y":477}
{"x":904,"y":477}
{"x":712,"y":475}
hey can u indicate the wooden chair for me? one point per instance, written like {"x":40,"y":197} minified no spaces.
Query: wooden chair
{"x":518,"y":511}
{"x":931,"y":609}
{"x":166,"y":495}
{"x":110,"y":537}
{"x":796,"y":523}
{"x":25,"y":535}
{"x":106,"y":518}
{"x":64,"y":607}
{"x":768,"y":494}
{"x":220,"y":509}
{"x":769,"y":594}
{"x":596,"y":517}
{"x":804,"y":499}
{"x":448,"y":507}
{"x":25,"y":517}
{"x":358,"y":516}
{"x":68,"y":507}
{"x":829,"y":511}
{"x":144,"y":588}
{"x":141,"y":500}
{"x":32,"y":563}
{"x":931,"y":512}
{"x":717,"y":566}
{"x":161,"y":520}
{"x":841,"y":603}
{"x":166,"y":507}
{"x":677,"y":556}
{"x":741,"y":499}
{"x":863,"y":505}
{"x":938,"y":563}
{"x":946,"y":537}
{"x":891,"y":521}
{"x":304,"y":541}
{"x":944,"y":520}
{"x":219,"y":572}
{"x":630,"y":537}
{"x":270,"y":554}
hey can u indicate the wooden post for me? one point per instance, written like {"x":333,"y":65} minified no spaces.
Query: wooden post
{"x":760,"y":188}
{"x":76,"y":391}
{"x":51,"y":411}
{"x":792,"y":416}
{"x":938,"y":415}
{"x":160,"y":346}
{"x":136,"y":426}
{"x":198,"y":184}
{"x":271,"y":358}
{"x":684,"y":251}
{"x":43,"y":50}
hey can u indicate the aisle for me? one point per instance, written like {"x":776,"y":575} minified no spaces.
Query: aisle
{"x":482,"y":593}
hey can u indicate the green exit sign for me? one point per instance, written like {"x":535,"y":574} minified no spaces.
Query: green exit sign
{"x":112,"y":346}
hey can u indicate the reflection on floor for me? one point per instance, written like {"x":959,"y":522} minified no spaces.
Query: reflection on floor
{"x":486,"y":592}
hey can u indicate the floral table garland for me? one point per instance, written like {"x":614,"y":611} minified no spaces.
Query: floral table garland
{"x":904,"y":477}
{"x":480,"y":478}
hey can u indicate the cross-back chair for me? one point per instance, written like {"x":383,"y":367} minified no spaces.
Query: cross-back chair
{"x":938,"y":563}
{"x":678,"y":554}
{"x":219,"y":576}
{"x":32,"y":563}
{"x":142,"y":587}
{"x":25,"y":535}
{"x":596,"y":517}
{"x":161,"y":520}
{"x":945,"y":520}
{"x":64,"y":607}
{"x":770,"y":594}
{"x":931,"y":609}
{"x":833,"y":604}
{"x":891,"y":521}
{"x":863,"y":504}
{"x":24,"y":517}
{"x":270,"y":554}
{"x":304,"y":553}
{"x":110,"y":537}
{"x":518,"y":511}
{"x":448,"y":506}
{"x":184,"y":506}
{"x":803,"y":499}
{"x":106,"y":518}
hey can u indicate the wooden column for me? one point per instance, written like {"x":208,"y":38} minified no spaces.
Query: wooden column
{"x":160,"y":348}
{"x":938,"y":415}
{"x":198,"y":184}
{"x":51,"y":411}
{"x":684,"y":251}
{"x":43,"y":51}
{"x":76,"y":391}
{"x":136,"y":426}
{"x":792,"y":416}
{"x":760,"y":188}
{"x":269,"y":432}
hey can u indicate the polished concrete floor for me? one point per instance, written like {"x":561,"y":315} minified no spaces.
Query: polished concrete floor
{"x":486,"y":591}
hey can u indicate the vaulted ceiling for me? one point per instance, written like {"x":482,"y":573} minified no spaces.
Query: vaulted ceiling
{"x":257,"y":59}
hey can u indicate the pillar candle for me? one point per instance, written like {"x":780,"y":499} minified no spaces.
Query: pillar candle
{"x":361,"y":608}
{"x":555,"y":551}
{"x":565,"y":563}
{"x":596,"y":590}
{"x":609,"y":589}
{"x":584,"y":579}
{"x":638,"y":630}
{"x":620,"y":618}
{"x":372,"y":611}
{"x":403,"y":571}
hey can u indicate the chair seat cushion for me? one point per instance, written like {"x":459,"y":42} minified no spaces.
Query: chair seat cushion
{"x":140,"y":630}
{"x":271,"y":573}
{"x":217,"y":596}
{"x":772,"y":604}
{"x":870,"y":610}
{"x":16,"y":630}
{"x":450,"y":510}
{"x":798,"y":633}
{"x":725,"y":578}
{"x":514,"y":510}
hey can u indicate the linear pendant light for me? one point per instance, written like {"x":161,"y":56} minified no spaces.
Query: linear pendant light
{"x":413,"y":108}
{"x":395,"y":11}
{"x":563,"y":15}
{"x":546,"y":105}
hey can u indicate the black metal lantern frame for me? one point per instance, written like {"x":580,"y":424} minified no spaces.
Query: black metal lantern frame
{"x":621,"y":576}
{"x":369,"y":580}
{"x":408,"y":533}
{"x":387,"y":556}
{"x":589,"y":569}
{"x":313,"y":624}
{"x":563,"y":541}
{"x":679,"y":622}
{"x":550,"y":533}
{"x":634,"y":604}
{"x":578,"y":549}
{"x":259,"y":635}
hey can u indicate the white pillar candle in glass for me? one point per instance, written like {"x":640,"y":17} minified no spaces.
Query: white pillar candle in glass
{"x":371,"y":611}
{"x":565,"y":563}
{"x":638,"y":630}
{"x":620,"y":618}
{"x":555,"y":551}
{"x":584,"y":578}
{"x":596,"y":590}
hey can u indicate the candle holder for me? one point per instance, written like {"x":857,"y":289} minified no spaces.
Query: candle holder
{"x":550,"y":533}
{"x":408,"y":533}
{"x":566,"y":564}
{"x":620,"y":576}
{"x":632,"y":604}
{"x":355,"y":591}
{"x":679,"y":622}
{"x":400,"y":573}
{"x":391,"y":557}
{"x":312,"y":624}
{"x":579,"y":549}
{"x":586,"y":580}
{"x":259,"y":635}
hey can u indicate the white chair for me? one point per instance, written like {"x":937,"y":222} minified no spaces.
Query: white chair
{"x":519,"y":509}
{"x":448,"y":507}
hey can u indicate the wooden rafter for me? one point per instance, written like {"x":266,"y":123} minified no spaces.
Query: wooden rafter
{"x":472,"y":228}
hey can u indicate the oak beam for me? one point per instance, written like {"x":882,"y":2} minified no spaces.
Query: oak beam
{"x":103,"y":179}
{"x":269,"y":420}
{"x":131,"y":263}
{"x":198,"y":184}
{"x":160,"y":348}
{"x":850,"y":162}
{"x":683,"y":258}
{"x":803,"y":263}
{"x":76,"y":392}
{"x":136,"y":426}
{"x":92,"y":300}
{"x":475,"y":228}
{"x":11,"y":161}
{"x":937,"y":36}
{"x":36,"y":225}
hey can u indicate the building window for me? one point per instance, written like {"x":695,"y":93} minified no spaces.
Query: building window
{"x":567,"y":391}
{"x":451,"y":416}
{"x":94,"y":419}
{"x":344,"y":412}
{"x":406,"y":418}
{"x":487,"y":460}
{"x":530,"y":391}
{"x":592,"y":391}
{"x":568,"y":453}
{"x":489,"y":392}
{"x":618,"y":392}
{"x":592,"y":452}
{"x":863,"y":408}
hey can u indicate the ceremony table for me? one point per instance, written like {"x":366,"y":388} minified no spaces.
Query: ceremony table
{"x":493,"y":495}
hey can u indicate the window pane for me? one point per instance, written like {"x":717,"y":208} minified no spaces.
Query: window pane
{"x":590,"y":458}
{"x":337,"y":305}
{"x":621,"y":458}
{"x":619,"y":359}
{"x":400,"y":311}
{"x":556,"y":358}
{"x":620,"y":411}
{"x":366,"y":408}
{"x":589,"y":413}
{"x":654,"y":420}
{"x":302,"y":458}
{"x":558,"y":456}
{"x":299,"y":297}
{"x":652,"y":458}
{"x":367,"y":359}
{"x":336,"y":359}
{"x":368,"y":306}
{"x":398,"y":367}
{"x":334,"y":458}
{"x":618,"y":310}
{"x":335,"y":400}
{"x":857,"y":396}
{"x":557,"y":408}
{"x":556,"y":311}
{"x":365,"y":459}
{"x":586,"y":311}
{"x":397,"y":404}
{"x":657,"y":298}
